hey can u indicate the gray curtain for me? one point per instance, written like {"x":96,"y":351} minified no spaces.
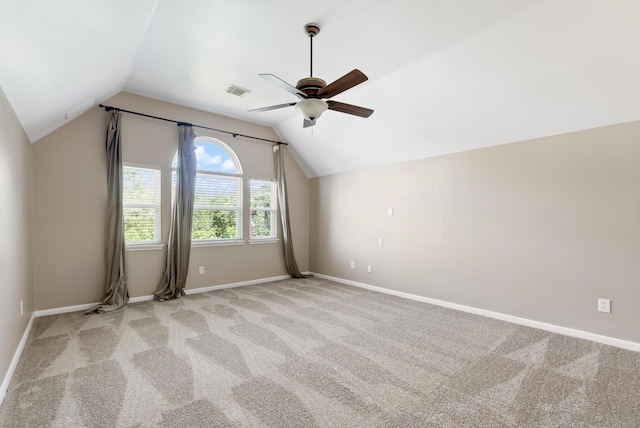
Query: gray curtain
{"x":283,"y":210}
{"x":116,"y":279}
{"x":176,"y":254}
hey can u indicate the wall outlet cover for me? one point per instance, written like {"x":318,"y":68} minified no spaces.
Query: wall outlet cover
{"x":604,"y":305}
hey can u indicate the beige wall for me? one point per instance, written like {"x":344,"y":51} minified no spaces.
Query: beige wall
{"x":70,"y":192}
{"x":15,"y":223}
{"x":537,"y":229}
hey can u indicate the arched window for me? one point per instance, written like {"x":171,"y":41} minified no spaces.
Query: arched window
{"x":217,"y":211}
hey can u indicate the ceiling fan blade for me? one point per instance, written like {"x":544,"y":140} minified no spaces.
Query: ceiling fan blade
{"x":273,"y":107}
{"x":307,"y":123}
{"x":349,"y":109}
{"x":284,"y":85}
{"x":348,"y":81}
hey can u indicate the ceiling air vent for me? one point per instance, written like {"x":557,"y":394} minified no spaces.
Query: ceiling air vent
{"x":237,"y":90}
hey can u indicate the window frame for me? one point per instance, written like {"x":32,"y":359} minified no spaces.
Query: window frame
{"x":238,"y":208}
{"x":273,"y":210}
{"x":156,"y":243}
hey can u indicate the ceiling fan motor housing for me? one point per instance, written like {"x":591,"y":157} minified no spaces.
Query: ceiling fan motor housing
{"x":311,"y":85}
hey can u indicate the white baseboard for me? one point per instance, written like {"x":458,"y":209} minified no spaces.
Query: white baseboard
{"x":64,"y":310}
{"x":236,"y":284}
{"x":14,"y":362}
{"x":620,"y":343}
{"x":87,"y":306}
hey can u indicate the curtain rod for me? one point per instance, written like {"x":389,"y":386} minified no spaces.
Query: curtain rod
{"x":235,"y":134}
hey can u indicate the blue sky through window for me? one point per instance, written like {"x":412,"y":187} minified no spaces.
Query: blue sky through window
{"x":212,"y":157}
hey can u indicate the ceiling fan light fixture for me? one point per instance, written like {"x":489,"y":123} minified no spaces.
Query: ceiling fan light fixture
{"x":312,"y":91}
{"x":311,"y":108}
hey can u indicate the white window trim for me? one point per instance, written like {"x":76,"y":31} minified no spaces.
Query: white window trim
{"x":143,"y":246}
{"x":198,"y":243}
{"x":259,"y":241}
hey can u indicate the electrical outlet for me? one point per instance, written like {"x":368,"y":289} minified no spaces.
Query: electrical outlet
{"x":369,"y":268}
{"x":353,"y":265}
{"x":604,"y":305}
{"x":380,"y":242}
{"x":201,"y":270}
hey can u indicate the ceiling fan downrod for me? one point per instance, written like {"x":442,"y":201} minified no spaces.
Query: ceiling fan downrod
{"x":312,"y":30}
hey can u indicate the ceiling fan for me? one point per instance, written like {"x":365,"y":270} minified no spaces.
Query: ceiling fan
{"x":313,"y":91}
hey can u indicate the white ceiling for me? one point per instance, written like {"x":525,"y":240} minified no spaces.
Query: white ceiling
{"x":444,"y":75}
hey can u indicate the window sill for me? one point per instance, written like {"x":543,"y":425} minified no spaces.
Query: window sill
{"x":220,"y":243}
{"x":198,"y":244}
{"x":263,"y":241}
{"x":144,"y":247}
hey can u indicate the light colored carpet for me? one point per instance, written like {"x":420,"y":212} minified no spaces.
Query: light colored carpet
{"x":312,"y":353}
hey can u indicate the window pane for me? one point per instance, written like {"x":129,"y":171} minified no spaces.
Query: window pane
{"x":214,"y":224}
{"x":218,"y":191}
{"x":139,"y":224}
{"x":261,"y":193}
{"x":141,"y":204}
{"x":263,"y":208}
{"x":212,"y":157}
{"x":139,"y":185}
{"x":260,"y":224}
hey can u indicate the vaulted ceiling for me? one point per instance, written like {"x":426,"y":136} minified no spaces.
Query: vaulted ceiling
{"x":444,"y":75}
